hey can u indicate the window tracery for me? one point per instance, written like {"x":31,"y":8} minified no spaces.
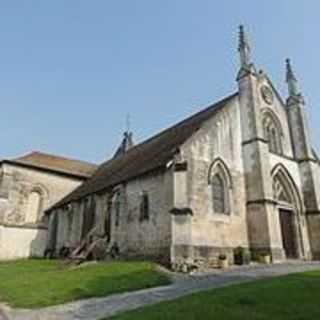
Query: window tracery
{"x":272,"y":133}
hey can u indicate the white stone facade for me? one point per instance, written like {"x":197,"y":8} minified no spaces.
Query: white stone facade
{"x":25,"y":193}
{"x":246,"y":177}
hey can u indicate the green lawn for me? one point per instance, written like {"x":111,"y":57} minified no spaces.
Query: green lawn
{"x":39,"y":283}
{"x":294,"y":297}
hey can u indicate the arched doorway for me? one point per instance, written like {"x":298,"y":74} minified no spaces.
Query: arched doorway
{"x":288,"y":205}
{"x":287,"y":233}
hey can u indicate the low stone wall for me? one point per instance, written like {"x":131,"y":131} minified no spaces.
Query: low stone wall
{"x":21,"y":242}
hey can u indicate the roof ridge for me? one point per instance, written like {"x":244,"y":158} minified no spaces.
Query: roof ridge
{"x":36,"y":152}
{"x":184,"y":120}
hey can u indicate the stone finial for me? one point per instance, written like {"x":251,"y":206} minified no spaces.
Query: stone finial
{"x":291,"y":80}
{"x":244,"y":48}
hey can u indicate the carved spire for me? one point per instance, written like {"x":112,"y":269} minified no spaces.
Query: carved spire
{"x":291,"y":80}
{"x":244,"y":48}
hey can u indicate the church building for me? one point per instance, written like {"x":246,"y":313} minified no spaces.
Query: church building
{"x":28,"y":186}
{"x":240,"y":173}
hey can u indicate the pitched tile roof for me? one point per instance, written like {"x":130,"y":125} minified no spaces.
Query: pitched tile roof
{"x":48,"y":162}
{"x":152,"y":154}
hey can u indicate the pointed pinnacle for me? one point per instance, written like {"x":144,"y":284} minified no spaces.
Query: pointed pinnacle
{"x":243,"y":40}
{"x":291,"y":80}
{"x":290,"y":74}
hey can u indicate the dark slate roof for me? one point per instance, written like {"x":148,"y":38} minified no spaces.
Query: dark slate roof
{"x":57,"y":164}
{"x":150,"y":155}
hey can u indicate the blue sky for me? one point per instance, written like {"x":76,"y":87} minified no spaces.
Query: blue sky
{"x":70,"y":71}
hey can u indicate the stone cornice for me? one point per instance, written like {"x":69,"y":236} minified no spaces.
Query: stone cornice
{"x":254,"y":140}
{"x":307,"y":160}
{"x":24,"y":226}
{"x":262,"y":201}
{"x":181,"y":211}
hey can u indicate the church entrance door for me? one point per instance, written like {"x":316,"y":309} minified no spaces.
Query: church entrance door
{"x":288,"y":234}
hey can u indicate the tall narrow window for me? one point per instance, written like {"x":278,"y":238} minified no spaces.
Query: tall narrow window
{"x":272,"y":133}
{"x":144,"y":206}
{"x":220,"y":184}
{"x":274,"y":141}
{"x":107,"y":221}
{"x":117,"y":208}
{"x":218,"y":194}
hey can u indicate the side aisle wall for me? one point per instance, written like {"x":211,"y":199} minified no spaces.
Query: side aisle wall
{"x":141,"y":233}
{"x":118,"y":216}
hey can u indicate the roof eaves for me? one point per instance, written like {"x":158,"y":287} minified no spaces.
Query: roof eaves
{"x":63,"y":203}
{"x":41,"y":168}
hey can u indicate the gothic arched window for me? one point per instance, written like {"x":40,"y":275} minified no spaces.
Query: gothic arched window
{"x":220,"y":184}
{"x":272,"y":133}
{"x":218,"y":194}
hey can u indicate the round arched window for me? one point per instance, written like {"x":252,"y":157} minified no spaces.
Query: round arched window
{"x":34,"y":207}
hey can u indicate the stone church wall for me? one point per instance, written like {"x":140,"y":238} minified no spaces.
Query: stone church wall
{"x":314,"y":221}
{"x":29,"y":232}
{"x":21,"y":242}
{"x":317,"y":180}
{"x":314,"y":234}
{"x":18,"y":182}
{"x":134,"y":236}
{"x":212,"y":233}
{"x":149,"y":237}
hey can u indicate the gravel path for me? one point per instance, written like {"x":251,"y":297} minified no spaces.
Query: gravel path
{"x":96,"y":308}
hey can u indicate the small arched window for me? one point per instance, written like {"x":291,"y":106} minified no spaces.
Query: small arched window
{"x":218,"y":194}
{"x":272,"y":133}
{"x":34,"y":207}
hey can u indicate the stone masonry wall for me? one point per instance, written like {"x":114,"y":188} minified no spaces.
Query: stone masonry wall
{"x":145,"y":237}
{"x":135,"y":237}
{"x":16,"y":184}
{"x":212,"y":233}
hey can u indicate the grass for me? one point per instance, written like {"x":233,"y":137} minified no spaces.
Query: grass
{"x":40,"y":283}
{"x":294,"y":297}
